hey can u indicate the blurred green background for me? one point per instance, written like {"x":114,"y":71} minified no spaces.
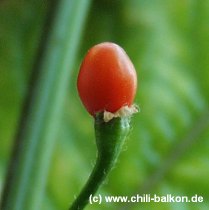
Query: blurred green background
{"x":168,"y":149}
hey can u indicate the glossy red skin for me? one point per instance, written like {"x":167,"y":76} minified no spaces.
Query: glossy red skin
{"x":107,"y":79}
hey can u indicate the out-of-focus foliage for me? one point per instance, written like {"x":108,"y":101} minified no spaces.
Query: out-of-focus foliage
{"x":167,"y":151}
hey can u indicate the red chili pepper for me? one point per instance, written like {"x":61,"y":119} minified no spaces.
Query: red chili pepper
{"x":107,"y":79}
{"x":106,"y":82}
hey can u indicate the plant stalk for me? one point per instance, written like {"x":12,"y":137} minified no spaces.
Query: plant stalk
{"x":110,"y":137}
{"x":28,"y":170}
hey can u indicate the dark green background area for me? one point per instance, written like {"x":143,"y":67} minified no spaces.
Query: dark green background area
{"x":167,"y":151}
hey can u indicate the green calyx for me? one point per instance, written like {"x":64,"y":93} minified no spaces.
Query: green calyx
{"x":110,"y":137}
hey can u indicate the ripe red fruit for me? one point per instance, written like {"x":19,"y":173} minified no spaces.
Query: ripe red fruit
{"x":107,"y":79}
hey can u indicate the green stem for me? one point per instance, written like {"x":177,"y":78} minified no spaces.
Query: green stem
{"x":110,"y":137}
{"x":26,"y":178}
